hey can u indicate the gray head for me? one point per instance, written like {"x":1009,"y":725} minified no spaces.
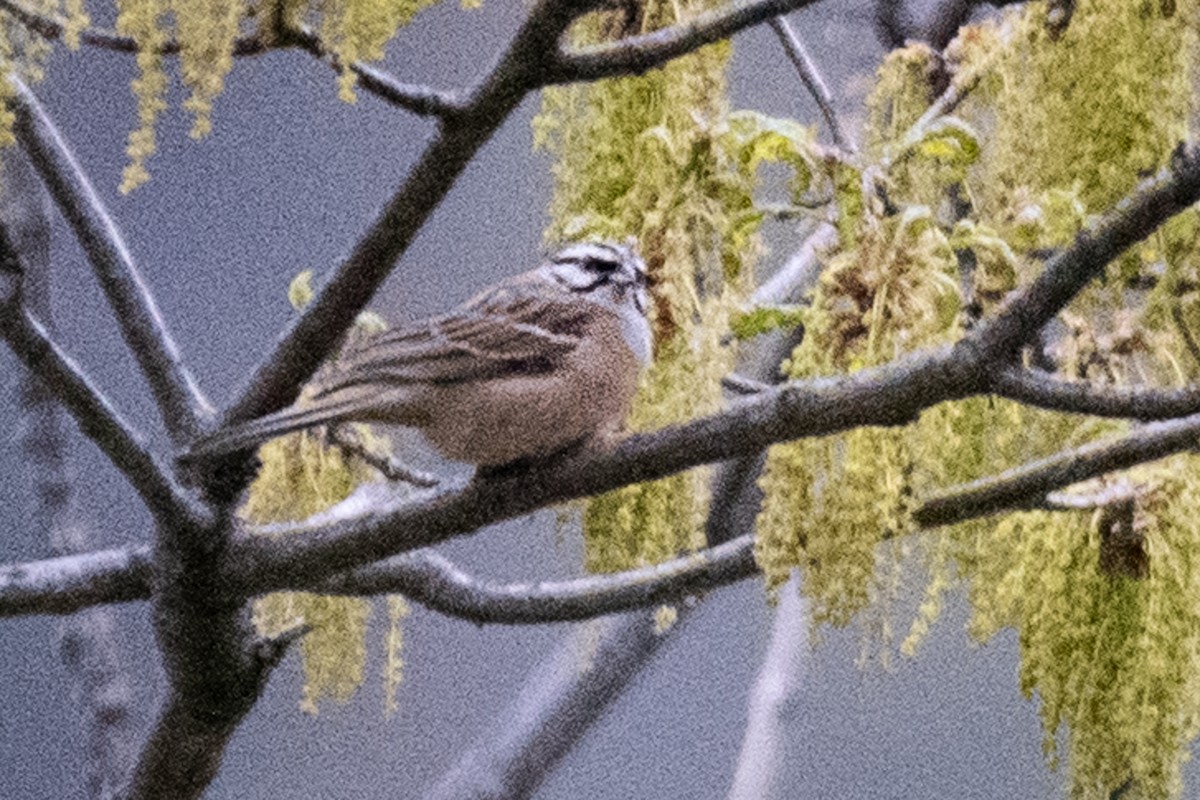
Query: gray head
{"x":612,"y":275}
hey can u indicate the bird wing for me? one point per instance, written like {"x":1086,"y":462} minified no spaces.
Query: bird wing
{"x":505,"y":331}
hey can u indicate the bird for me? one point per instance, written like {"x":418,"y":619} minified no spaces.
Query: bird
{"x":529,"y":367}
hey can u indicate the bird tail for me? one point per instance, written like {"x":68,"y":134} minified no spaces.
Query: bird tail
{"x":252,"y":433}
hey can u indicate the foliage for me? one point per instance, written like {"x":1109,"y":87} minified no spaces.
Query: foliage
{"x":1111,"y":655}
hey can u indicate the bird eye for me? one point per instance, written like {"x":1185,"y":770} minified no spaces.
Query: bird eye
{"x":602,"y":265}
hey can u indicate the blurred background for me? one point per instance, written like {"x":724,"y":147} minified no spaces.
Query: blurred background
{"x":288,"y":180}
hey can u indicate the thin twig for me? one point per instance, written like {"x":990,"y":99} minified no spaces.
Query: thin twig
{"x":740,"y":384}
{"x":557,"y":703}
{"x":636,"y":54}
{"x":810,"y":76}
{"x":183,"y":407}
{"x":1115,"y":493}
{"x":1185,"y":333}
{"x":347,"y":438}
{"x":410,"y":97}
{"x":53,"y":27}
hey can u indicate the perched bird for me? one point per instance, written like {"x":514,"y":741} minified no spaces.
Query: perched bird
{"x":528,"y":367}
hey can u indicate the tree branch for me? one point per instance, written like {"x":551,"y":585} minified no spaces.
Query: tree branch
{"x":53,"y":27}
{"x":810,"y":76}
{"x":410,"y":97}
{"x":418,"y":99}
{"x":1042,"y":390}
{"x":361,"y":530}
{"x":1026,"y":486}
{"x":121,"y":442}
{"x":435,"y":582}
{"x":184,"y":750}
{"x":764,"y":745}
{"x":560,"y":700}
{"x":87,"y":642}
{"x":64,"y":585}
{"x":634,"y":55}
{"x":183,"y":407}
{"x":71,"y":583}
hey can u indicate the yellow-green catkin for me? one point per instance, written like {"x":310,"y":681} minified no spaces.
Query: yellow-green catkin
{"x":24,"y":52}
{"x":358,"y":30}
{"x":830,"y":502}
{"x":301,"y":476}
{"x":1095,"y":107}
{"x":142,"y":21}
{"x":393,"y":667}
{"x":640,"y":157}
{"x":206,"y":31}
{"x":1112,"y":657}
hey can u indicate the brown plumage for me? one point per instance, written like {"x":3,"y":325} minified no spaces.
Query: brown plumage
{"x":543,"y":360}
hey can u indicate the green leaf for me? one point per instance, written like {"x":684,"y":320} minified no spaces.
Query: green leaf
{"x":764,"y":319}
{"x":753,"y":138}
{"x":948,"y":140}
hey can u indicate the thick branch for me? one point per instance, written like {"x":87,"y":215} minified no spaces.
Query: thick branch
{"x":70,"y":583}
{"x":184,"y":750}
{"x":435,"y":582}
{"x":305,"y":553}
{"x":637,"y":54}
{"x":180,"y":402}
{"x":1081,"y":397}
{"x":64,"y":585}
